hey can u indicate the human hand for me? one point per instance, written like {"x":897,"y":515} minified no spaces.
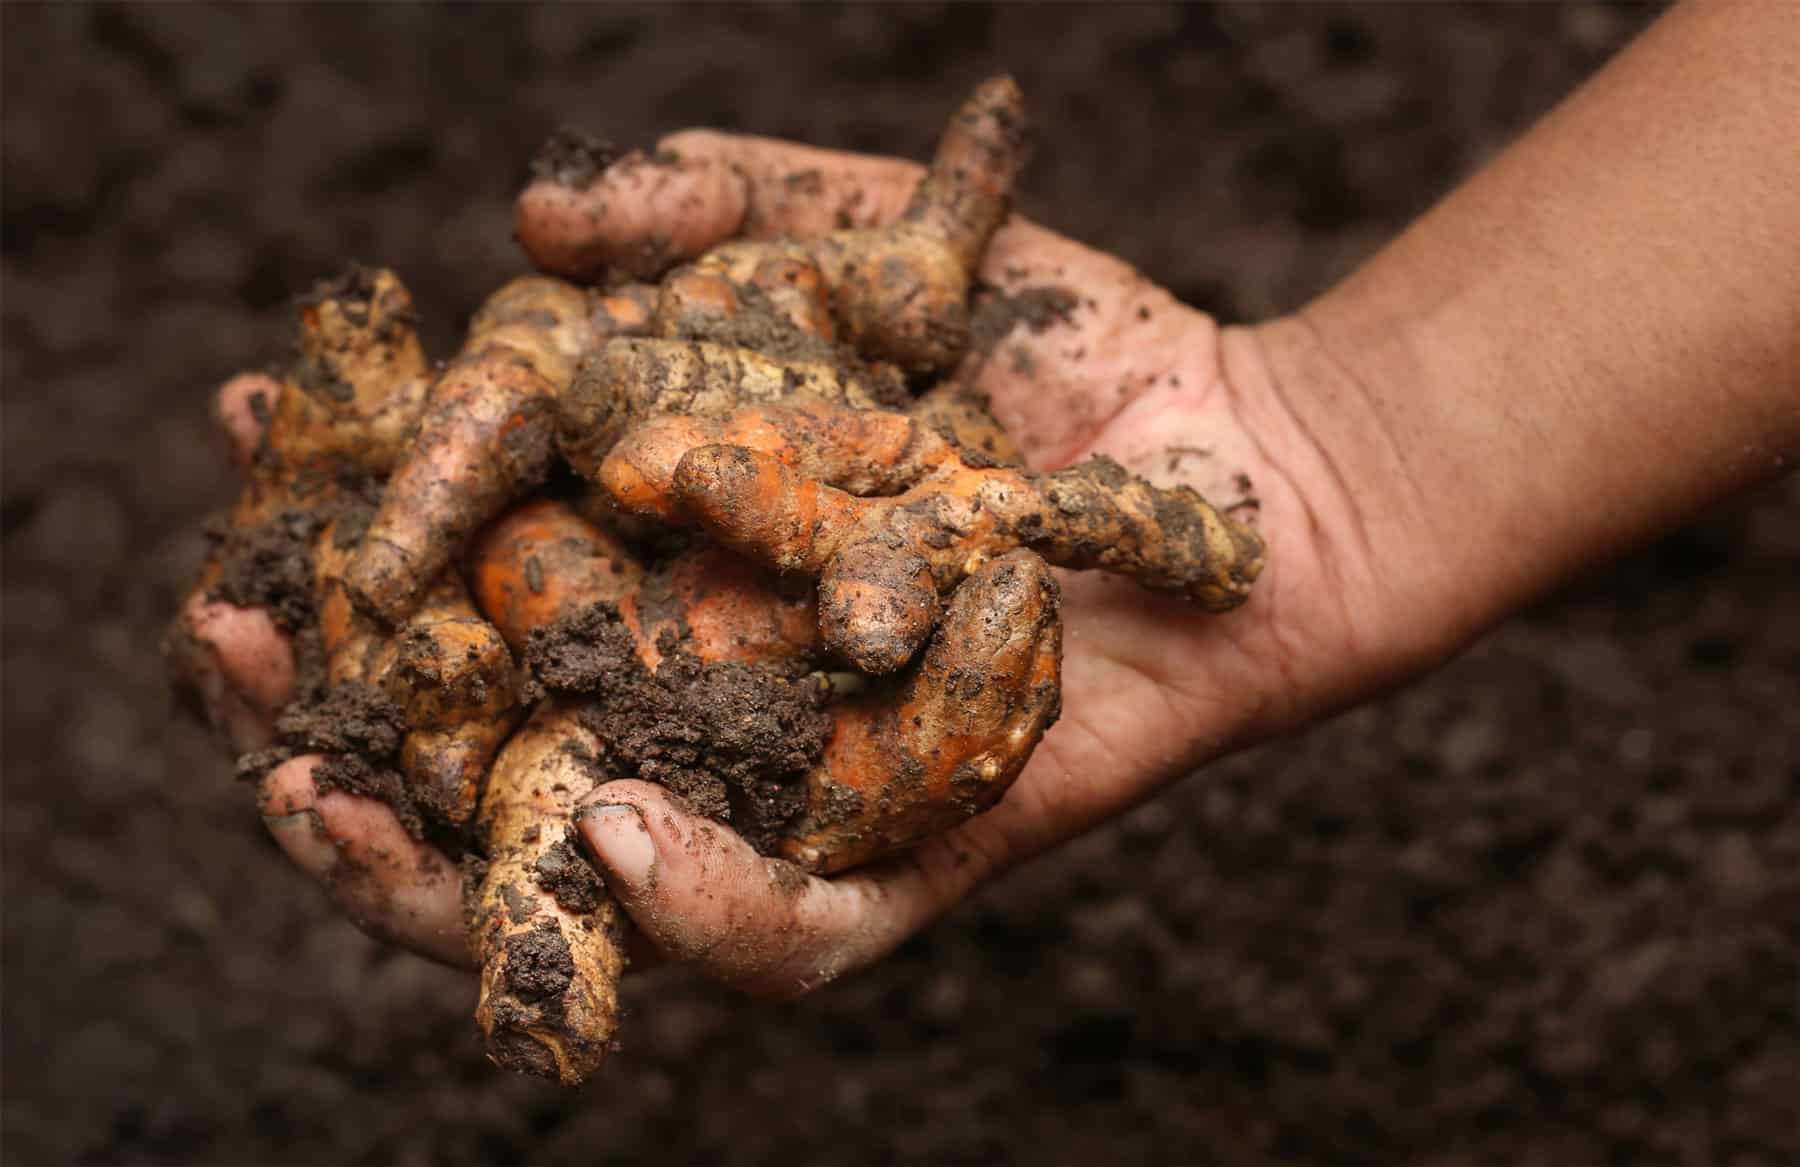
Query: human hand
{"x":1097,"y":360}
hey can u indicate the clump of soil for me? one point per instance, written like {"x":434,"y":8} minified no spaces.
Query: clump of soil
{"x":269,"y":565}
{"x":734,"y":740}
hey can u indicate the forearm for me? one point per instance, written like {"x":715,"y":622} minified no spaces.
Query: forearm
{"x":1594,"y":337}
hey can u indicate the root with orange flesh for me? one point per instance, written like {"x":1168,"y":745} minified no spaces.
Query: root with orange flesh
{"x":484,"y":439}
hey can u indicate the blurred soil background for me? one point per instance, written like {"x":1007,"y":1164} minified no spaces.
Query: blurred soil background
{"x":1544,"y":907}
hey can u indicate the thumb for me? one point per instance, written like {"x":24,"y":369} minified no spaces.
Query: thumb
{"x":704,"y":896}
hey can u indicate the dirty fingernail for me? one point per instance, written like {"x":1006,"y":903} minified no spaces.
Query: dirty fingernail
{"x":303,"y":836}
{"x":620,"y":840}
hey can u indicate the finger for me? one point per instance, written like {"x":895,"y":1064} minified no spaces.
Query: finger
{"x":239,"y":666}
{"x":703,"y":896}
{"x":242,"y":408}
{"x":392,"y":886}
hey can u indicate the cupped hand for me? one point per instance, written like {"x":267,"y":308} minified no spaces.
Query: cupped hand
{"x":1079,"y":354}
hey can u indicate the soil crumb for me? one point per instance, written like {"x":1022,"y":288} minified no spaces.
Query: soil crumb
{"x":268,"y":566}
{"x":734,"y":740}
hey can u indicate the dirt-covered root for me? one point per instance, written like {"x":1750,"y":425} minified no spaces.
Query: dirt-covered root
{"x":961,"y":416}
{"x":775,"y":303}
{"x":357,"y":383}
{"x":913,"y":761}
{"x":549,"y":939}
{"x":628,"y":380}
{"x":541,"y":561}
{"x":455,"y":683}
{"x":483,"y":440}
{"x":589,"y":208}
{"x":447,"y":672}
{"x":900,"y":293}
{"x":718,"y":606}
{"x":884,"y":563}
{"x":864,"y":451}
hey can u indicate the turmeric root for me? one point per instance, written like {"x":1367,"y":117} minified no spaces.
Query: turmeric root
{"x":631,"y":379}
{"x":549,"y":938}
{"x":899,"y":293}
{"x":484,"y":438}
{"x":447,"y":672}
{"x":717,"y":607}
{"x":359,"y":380}
{"x":537,"y":563}
{"x":341,"y":411}
{"x":779,"y":483}
{"x":906,"y":764}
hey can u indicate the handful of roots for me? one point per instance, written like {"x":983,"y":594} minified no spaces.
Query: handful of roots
{"x":729,"y":531}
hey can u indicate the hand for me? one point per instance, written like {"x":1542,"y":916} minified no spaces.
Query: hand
{"x":1152,"y":687}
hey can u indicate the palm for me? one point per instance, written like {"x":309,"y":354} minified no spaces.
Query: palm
{"x":1152,"y":686}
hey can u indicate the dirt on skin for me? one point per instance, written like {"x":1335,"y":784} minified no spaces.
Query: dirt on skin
{"x":733,"y":740}
{"x":1538,"y":908}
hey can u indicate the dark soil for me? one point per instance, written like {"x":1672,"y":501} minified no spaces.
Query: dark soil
{"x":1542,"y":908}
{"x":734,"y":740}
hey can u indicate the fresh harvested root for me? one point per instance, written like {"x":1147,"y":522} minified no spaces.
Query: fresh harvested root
{"x":719,"y":607}
{"x":910,"y":763}
{"x":959,"y":415}
{"x":629,"y":380}
{"x":447,"y":671}
{"x":543,"y":563}
{"x":485,"y":436}
{"x":360,"y":379}
{"x":548,"y":937}
{"x":551,"y":942}
{"x":899,"y":293}
{"x":777,"y":492}
{"x":776,"y":303}
{"x":342,"y":411}
{"x":862,"y":451}
{"x":454,"y":681}
{"x":538,"y":563}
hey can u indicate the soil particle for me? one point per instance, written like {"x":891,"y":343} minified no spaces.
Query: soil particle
{"x":538,"y":964}
{"x":563,"y":872}
{"x":734,"y":740}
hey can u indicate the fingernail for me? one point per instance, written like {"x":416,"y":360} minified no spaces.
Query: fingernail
{"x":303,"y":836}
{"x":620,"y":840}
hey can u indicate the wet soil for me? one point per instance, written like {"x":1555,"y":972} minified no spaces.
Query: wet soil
{"x":733,"y":740}
{"x":1544,"y":907}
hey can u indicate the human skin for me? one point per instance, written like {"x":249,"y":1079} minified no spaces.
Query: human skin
{"x":1591,"y":340}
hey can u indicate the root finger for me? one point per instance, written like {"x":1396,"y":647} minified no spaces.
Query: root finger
{"x":915,"y":761}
